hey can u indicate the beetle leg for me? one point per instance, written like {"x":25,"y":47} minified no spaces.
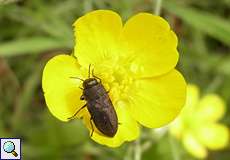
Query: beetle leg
{"x":108,"y":90}
{"x":77,"y":78}
{"x":82,"y":97}
{"x":91,"y":127}
{"x":95,"y":76}
{"x":77,"y":112}
{"x":81,"y":88}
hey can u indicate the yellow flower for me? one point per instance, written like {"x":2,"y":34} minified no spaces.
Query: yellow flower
{"x":136,"y":65}
{"x":198,"y":125}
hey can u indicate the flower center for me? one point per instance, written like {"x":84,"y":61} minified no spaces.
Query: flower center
{"x":118,"y":80}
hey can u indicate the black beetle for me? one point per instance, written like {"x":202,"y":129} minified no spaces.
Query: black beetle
{"x":99,"y":106}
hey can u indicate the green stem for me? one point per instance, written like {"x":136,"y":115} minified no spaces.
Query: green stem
{"x":88,"y":5}
{"x":137,"y":150}
{"x":158,"y":4}
{"x":128,"y":155}
{"x":175,"y":152}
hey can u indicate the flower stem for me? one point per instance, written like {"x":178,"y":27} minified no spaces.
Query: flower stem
{"x":158,"y":4}
{"x":128,"y":155}
{"x":88,"y":5}
{"x":174,"y":150}
{"x":137,"y":150}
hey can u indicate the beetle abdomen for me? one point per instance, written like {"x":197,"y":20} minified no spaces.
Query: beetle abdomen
{"x":101,"y":109}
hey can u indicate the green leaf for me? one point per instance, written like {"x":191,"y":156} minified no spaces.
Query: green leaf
{"x":32,"y":45}
{"x":208,"y":23}
{"x":224,"y":66}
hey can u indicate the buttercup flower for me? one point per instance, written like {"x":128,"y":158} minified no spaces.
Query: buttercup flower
{"x":197,"y":125}
{"x":135,"y":63}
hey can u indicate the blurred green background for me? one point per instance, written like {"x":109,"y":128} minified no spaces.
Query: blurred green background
{"x":32,"y":31}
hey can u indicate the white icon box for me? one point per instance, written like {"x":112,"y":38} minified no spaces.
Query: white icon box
{"x":10,"y":148}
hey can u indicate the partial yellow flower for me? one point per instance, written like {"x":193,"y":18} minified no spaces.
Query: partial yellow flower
{"x":197,"y":125}
{"x":136,"y":64}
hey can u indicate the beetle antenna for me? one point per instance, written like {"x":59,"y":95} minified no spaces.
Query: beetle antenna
{"x":77,"y":78}
{"x":95,"y":76}
{"x":89,"y":71}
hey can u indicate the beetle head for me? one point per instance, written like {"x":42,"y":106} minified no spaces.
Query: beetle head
{"x":90,"y":82}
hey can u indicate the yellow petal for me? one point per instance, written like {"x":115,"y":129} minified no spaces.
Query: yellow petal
{"x":176,"y":128}
{"x":211,"y":108}
{"x":191,"y":104}
{"x":157,"y":101}
{"x":128,"y":129}
{"x":97,"y":35}
{"x":193,"y":146}
{"x":151,"y":43}
{"x":193,"y":95}
{"x":62,"y":93}
{"x":214,"y":136}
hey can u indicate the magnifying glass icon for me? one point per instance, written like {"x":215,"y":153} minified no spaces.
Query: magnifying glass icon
{"x":9,"y":147}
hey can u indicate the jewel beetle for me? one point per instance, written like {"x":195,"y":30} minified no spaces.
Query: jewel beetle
{"x":99,"y":106}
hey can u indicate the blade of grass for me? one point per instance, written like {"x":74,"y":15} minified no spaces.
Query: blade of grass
{"x":26,"y":95}
{"x":32,"y":45}
{"x":208,"y":23}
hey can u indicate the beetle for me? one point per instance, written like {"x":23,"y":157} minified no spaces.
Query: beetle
{"x":99,"y":106}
